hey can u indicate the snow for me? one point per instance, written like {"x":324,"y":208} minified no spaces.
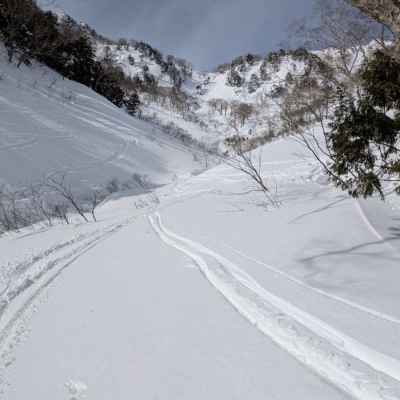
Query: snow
{"x":118,"y":350}
{"x":200,"y":290}
{"x":202,"y":123}
{"x":50,"y":124}
{"x":121,"y":58}
{"x":256,"y":307}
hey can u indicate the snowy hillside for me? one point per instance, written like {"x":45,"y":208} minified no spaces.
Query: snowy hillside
{"x":139,"y":58}
{"x":199,"y":290}
{"x":239,"y":98}
{"x":50,"y":124}
{"x":203,"y":109}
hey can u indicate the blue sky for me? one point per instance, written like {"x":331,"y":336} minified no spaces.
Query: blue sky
{"x":206,"y":32}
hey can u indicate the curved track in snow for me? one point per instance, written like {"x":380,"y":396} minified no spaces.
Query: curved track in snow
{"x":361,"y":371}
{"x":347,"y":302}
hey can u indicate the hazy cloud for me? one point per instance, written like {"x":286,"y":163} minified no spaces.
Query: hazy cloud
{"x":207,"y":32}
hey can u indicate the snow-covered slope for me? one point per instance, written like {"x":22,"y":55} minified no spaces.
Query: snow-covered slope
{"x":51,"y":124}
{"x":138,"y":58}
{"x":206,"y":105}
{"x":199,"y":290}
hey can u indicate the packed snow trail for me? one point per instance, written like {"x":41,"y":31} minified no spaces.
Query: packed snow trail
{"x":336,"y":359}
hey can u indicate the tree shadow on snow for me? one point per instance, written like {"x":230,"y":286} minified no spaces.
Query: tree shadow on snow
{"x":319,"y":210}
{"x":357,"y":250}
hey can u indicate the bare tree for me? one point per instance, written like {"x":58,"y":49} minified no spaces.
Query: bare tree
{"x":15,"y":211}
{"x":96,"y":197}
{"x":233,"y":123}
{"x":220,"y":105}
{"x":60,"y":210}
{"x":213,"y":103}
{"x":59,"y":185}
{"x":250,"y":164}
{"x":244,"y":112}
{"x":39,"y":204}
{"x":6,"y":222}
{"x":339,"y":26}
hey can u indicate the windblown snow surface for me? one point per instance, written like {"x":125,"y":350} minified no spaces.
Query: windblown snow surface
{"x":199,"y":290}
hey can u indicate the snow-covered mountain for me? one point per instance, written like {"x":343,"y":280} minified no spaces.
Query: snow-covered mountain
{"x":240,"y":98}
{"x":184,"y":107}
{"x":236,"y":99}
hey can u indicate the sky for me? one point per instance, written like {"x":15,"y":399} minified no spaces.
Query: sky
{"x":205,"y":32}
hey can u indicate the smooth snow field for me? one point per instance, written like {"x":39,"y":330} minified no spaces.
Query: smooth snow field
{"x":199,"y":290}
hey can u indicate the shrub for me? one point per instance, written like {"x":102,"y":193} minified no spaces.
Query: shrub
{"x":234,"y":79}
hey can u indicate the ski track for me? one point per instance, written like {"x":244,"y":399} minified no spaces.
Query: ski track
{"x":357,"y":369}
{"x":299,"y":282}
{"x":21,"y":145}
{"x":19,"y":305}
{"x":27,"y":272}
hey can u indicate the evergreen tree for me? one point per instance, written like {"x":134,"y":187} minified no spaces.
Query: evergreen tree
{"x":132,"y":103}
{"x":264,"y":71}
{"x":79,"y":61}
{"x":234,"y":79}
{"x":365,"y":132}
{"x":254,"y":83}
{"x":131,"y":60}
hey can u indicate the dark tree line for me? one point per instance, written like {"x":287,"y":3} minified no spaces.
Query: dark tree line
{"x":29,"y":33}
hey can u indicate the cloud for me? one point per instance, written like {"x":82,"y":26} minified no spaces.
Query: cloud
{"x":206,"y":32}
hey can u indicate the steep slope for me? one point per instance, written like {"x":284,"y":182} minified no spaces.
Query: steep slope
{"x":207,"y":106}
{"x":50,"y":124}
{"x":238,"y":99}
